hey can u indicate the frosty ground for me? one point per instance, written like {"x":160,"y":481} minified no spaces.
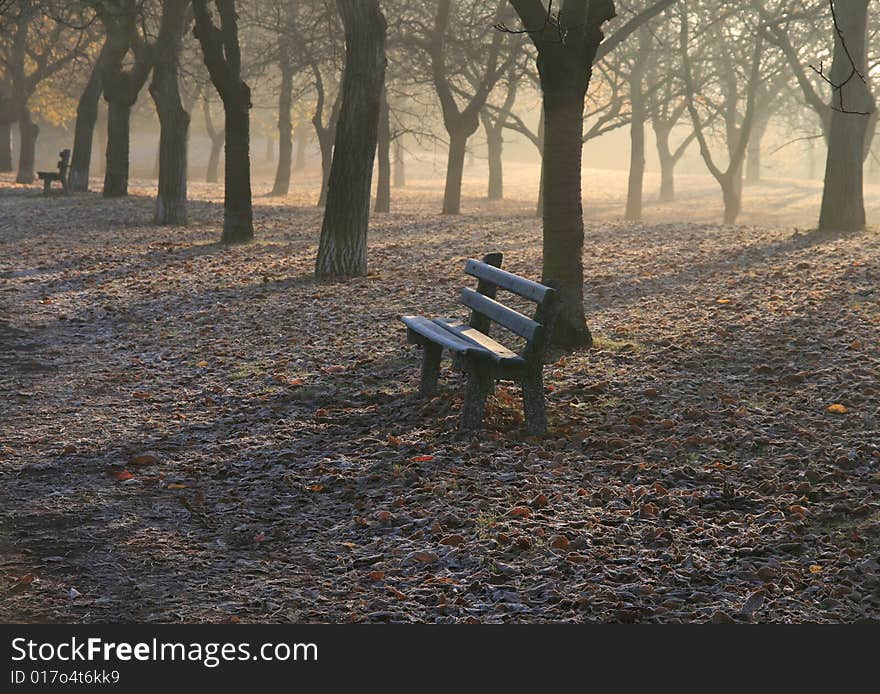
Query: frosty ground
{"x":197,"y":433}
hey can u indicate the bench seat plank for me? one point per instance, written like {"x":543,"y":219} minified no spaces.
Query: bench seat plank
{"x":499,"y":353}
{"x":430,"y":330}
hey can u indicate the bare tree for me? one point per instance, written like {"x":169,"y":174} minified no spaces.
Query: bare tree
{"x":342,"y":250}
{"x":568,"y":44}
{"x":222,"y":55}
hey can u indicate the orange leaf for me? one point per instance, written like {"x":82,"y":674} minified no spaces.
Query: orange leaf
{"x":837,"y":409}
{"x":520,"y":512}
{"x":422,"y":459}
{"x":123,"y":476}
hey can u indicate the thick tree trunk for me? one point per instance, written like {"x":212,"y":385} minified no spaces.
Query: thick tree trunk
{"x":564,"y":214}
{"x":399,"y":163}
{"x":342,"y":250}
{"x":118,"y":144}
{"x":731,"y":192}
{"x":455,"y":171}
{"x":285,"y":134}
{"x":495,"y":147}
{"x":383,"y":184}
{"x":843,"y":203}
{"x":238,"y":220}
{"x":27,"y":152}
{"x":5,"y":146}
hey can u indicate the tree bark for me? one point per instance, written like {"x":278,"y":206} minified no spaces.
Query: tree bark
{"x":843,"y":203}
{"x":285,"y":132}
{"x":342,"y":249}
{"x":173,"y":118}
{"x":383,"y":184}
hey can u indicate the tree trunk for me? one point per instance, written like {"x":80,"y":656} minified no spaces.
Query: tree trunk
{"x":753,"y":159}
{"x":212,"y":174}
{"x":285,"y":134}
{"x":539,"y":210}
{"x":238,"y":219}
{"x":302,"y":142}
{"x":84,"y":131}
{"x":495,"y":146}
{"x":383,"y":187}
{"x":637,"y":129}
{"x":399,"y":163}
{"x":118,"y":144}
{"x":5,"y":146}
{"x":843,"y":204}
{"x":455,"y":171}
{"x":173,"y":119}
{"x":342,"y":249}
{"x":667,"y":162}
{"x":27,"y":152}
{"x":731,"y":191}
{"x":325,"y":142}
{"x":564,"y":214}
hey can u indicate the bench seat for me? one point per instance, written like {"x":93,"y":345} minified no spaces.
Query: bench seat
{"x":483,"y":358}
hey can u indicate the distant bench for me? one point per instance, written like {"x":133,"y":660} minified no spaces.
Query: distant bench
{"x":47,"y":177}
{"x":483,"y":359}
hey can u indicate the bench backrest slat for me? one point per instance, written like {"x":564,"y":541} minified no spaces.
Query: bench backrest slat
{"x":512,"y":320}
{"x":502,"y":279}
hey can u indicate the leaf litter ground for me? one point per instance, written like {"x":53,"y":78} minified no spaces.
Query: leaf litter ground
{"x":194,"y":433}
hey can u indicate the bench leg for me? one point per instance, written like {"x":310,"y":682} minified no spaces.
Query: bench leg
{"x":481,"y":382}
{"x":47,"y":186}
{"x":533,"y":402}
{"x":430,"y":370}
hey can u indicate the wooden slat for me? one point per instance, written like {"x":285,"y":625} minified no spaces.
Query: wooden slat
{"x":507,"y":280}
{"x":507,"y":317}
{"x":499,"y":352}
{"x":427,"y":329}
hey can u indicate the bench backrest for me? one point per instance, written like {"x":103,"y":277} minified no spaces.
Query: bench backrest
{"x":486,"y":309}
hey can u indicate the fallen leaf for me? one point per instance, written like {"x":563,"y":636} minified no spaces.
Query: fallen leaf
{"x":422,"y":459}
{"x":837,"y":409}
{"x":520,"y":512}
{"x":123,"y":475}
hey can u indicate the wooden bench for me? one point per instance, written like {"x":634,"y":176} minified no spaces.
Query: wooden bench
{"x":481,"y":357}
{"x":61,"y":175}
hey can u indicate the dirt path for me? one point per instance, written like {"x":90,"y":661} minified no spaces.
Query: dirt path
{"x":195,"y":433}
